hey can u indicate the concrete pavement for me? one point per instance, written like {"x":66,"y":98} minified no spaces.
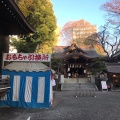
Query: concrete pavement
{"x":105,"y":106}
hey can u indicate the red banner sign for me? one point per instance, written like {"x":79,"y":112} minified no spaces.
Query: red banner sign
{"x":26,"y":57}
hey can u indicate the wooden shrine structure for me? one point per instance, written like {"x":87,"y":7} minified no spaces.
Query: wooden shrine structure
{"x":75,"y":60}
{"x":113,"y":71}
{"x":12,"y":22}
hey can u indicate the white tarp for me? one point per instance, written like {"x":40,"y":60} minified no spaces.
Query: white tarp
{"x":26,"y":66}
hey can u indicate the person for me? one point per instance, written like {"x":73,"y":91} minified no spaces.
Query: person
{"x":52,"y":84}
{"x":69,"y":74}
{"x":53,"y":81}
{"x":102,"y":77}
{"x":56,"y":80}
{"x":56,"y":76}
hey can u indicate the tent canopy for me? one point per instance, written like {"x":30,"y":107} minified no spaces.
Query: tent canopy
{"x":26,"y":66}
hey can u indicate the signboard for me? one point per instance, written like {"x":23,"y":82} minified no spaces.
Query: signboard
{"x":26,"y":57}
{"x":104,"y":85}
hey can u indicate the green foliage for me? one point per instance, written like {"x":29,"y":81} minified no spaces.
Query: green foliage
{"x":55,"y":64}
{"x":25,"y":46}
{"x":97,"y":65}
{"x":40,"y":15}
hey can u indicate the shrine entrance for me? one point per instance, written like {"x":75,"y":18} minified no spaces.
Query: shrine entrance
{"x":76,"y":69}
{"x":77,"y":72}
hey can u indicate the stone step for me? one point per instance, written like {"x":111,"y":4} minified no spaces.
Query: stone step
{"x":87,"y":85}
{"x":75,"y":86}
{"x":69,"y":86}
{"x":76,"y":80}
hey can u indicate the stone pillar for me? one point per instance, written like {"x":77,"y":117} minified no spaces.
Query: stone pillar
{"x":92,"y":78}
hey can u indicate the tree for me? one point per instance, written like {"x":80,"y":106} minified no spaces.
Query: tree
{"x":40,"y":15}
{"x":113,"y":11}
{"x":77,"y":31}
{"x":108,"y":39}
{"x":97,"y":65}
{"x":47,"y":47}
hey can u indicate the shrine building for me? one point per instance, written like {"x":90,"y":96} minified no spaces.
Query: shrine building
{"x":74,"y":60}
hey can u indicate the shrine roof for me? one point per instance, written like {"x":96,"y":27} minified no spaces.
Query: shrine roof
{"x":73,"y":46}
{"x":117,"y":54}
{"x":12,"y":21}
{"x":62,"y":52}
{"x":92,"y":53}
{"x":113,"y":67}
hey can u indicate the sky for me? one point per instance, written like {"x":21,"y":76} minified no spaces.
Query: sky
{"x":73,"y":10}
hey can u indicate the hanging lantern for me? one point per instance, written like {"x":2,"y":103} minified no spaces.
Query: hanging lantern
{"x":76,"y":65}
{"x":68,"y":69}
{"x":80,"y":66}
{"x":84,"y":71}
{"x":73,"y":66}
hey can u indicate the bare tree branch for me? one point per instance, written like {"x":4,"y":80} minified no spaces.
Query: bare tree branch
{"x":109,"y":41}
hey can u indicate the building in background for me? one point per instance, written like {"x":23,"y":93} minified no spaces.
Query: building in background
{"x":76,"y":31}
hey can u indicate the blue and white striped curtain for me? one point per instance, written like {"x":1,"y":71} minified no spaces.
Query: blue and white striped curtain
{"x":30,"y":89}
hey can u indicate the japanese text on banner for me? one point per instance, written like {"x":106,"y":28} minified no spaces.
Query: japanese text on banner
{"x":26,"y":57}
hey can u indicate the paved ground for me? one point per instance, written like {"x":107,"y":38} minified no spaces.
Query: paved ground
{"x":105,"y":106}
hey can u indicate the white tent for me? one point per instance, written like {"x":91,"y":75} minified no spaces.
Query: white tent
{"x":26,"y":66}
{"x":30,"y":85}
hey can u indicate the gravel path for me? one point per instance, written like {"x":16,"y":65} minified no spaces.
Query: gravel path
{"x":105,"y":106}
